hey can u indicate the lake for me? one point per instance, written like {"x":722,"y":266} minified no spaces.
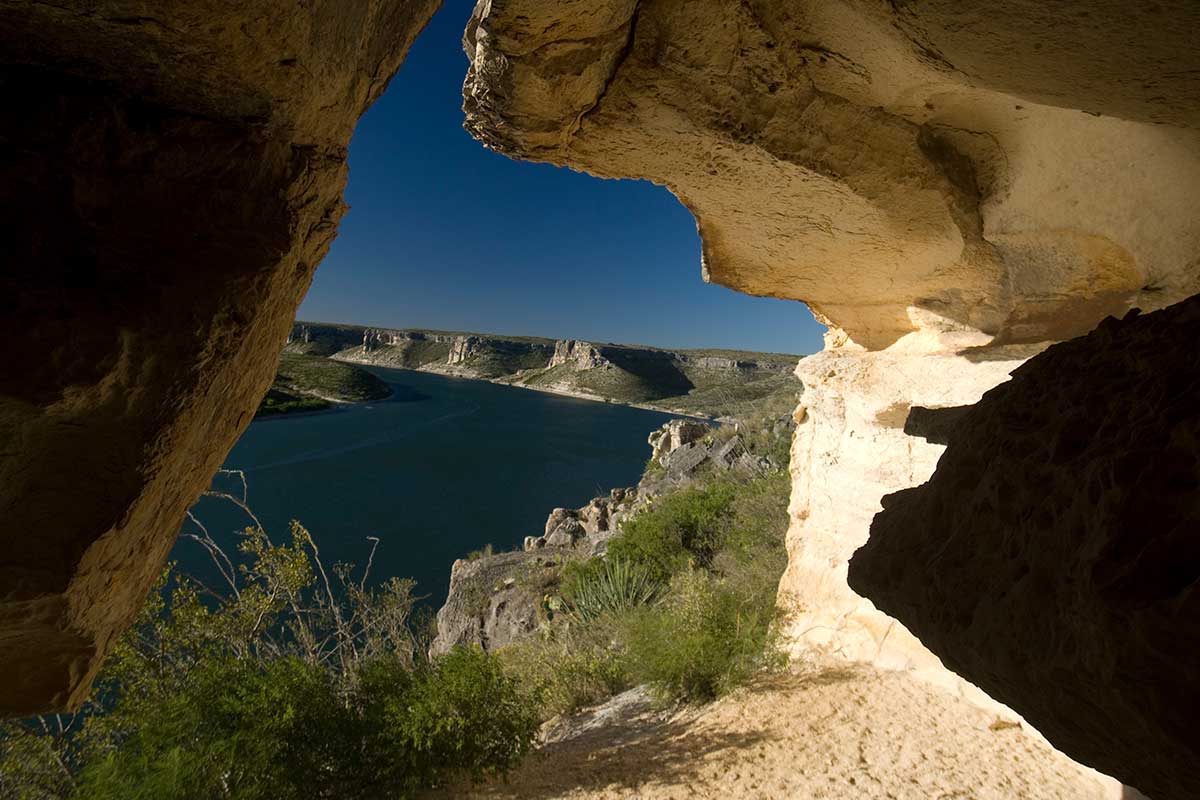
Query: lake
{"x":443,"y":467}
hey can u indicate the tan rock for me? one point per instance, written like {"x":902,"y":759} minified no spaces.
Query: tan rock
{"x":582,"y":355}
{"x":172,"y":175}
{"x":831,"y":152}
{"x":671,"y":436}
{"x":950,"y":186}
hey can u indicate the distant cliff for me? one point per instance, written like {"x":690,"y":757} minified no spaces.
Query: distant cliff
{"x":705,"y":382}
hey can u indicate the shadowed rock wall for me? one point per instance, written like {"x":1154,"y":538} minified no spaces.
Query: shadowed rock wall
{"x":170,"y":174}
{"x":1069,"y":499}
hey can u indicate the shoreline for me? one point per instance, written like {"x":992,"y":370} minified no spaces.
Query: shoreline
{"x":542,"y":389}
{"x":335,"y":405}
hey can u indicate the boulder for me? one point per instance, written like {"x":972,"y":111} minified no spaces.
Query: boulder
{"x":487,"y":605}
{"x":675,"y":434}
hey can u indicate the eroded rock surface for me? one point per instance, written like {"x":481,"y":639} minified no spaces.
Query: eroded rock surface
{"x":950,"y":186}
{"x":1069,"y":499}
{"x":171,"y":175}
{"x":897,"y":166}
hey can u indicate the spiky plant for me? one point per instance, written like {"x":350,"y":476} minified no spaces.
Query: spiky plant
{"x":610,"y":587}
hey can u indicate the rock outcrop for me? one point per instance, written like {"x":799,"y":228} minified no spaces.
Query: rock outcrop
{"x":951,"y":187}
{"x":581,"y":355}
{"x":1069,"y":498}
{"x":171,"y":175}
{"x":674,"y":435}
{"x":493,"y":600}
{"x":589,"y":528}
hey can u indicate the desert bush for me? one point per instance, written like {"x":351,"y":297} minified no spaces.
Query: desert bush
{"x":291,"y":681}
{"x":243,"y":729}
{"x":287,"y":728}
{"x":568,"y":668}
{"x":715,"y":553}
{"x":692,"y":525}
{"x":685,"y":526}
{"x":461,"y":713}
{"x":597,"y":587}
{"x":709,"y":635}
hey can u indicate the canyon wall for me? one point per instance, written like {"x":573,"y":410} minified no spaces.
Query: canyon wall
{"x":950,"y":186}
{"x":171,"y":175}
{"x":712,"y":383}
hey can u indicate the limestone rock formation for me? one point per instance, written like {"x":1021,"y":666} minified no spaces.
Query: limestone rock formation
{"x":487,"y":605}
{"x":951,"y":186}
{"x":895,"y":165}
{"x":716,"y":383}
{"x":589,"y":528}
{"x":1069,"y":498}
{"x":582,"y":355}
{"x":464,"y":348}
{"x":171,"y":175}
{"x":673,"y":435}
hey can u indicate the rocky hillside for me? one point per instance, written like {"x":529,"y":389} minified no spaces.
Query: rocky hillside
{"x":702,"y":382}
{"x":496,"y":599}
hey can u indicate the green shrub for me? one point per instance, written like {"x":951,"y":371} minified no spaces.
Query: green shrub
{"x":568,"y":668}
{"x":685,"y":526}
{"x":714,"y":553}
{"x":284,"y":729}
{"x":598,"y":587}
{"x":709,"y":635}
{"x":487,"y":551}
{"x":237,"y":729}
{"x":692,"y":525}
{"x":460,"y":714}
{"x":299,"y":682}
{"x":31,"y":766}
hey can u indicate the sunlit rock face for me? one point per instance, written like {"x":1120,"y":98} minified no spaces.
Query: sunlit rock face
{"x":836,"y":152}
{"x":951,"y":186}
{"x":1069,"y":499}
{"x":171,"y":174}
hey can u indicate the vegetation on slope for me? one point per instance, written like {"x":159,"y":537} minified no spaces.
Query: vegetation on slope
{"x":297,"y":681}
{"x":292,"y":681}
{"x":505,"y":358}
{"x":681,"y":388}
{"x":311,"y":383}
{"x":685,"y":381}
{"x":718,"y":393}
{"x":683,"y":600}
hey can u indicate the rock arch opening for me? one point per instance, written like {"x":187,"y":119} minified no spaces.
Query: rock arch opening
{"x":952,"y":187}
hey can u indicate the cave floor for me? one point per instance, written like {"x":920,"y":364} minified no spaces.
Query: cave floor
{"x":832,"y":733}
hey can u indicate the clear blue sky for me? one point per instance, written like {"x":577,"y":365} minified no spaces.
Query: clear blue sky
{"x":443,"y":233}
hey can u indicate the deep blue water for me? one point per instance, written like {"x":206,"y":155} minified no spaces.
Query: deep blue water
{"x":443,"y":467}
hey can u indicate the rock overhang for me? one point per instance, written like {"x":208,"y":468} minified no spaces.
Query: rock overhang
{"x":171,"y":175}
{"x":830,"y":156}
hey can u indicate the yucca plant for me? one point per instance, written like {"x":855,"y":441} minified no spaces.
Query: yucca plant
{"x":608,"y":586}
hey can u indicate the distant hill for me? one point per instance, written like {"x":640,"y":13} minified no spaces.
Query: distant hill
{"x":313,"y":383}
{"x":704,"y":382}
